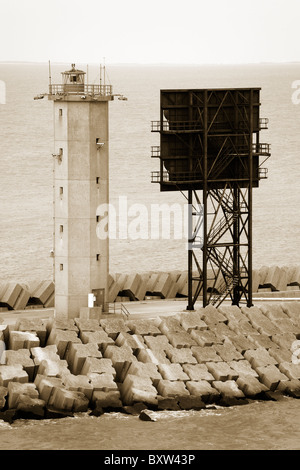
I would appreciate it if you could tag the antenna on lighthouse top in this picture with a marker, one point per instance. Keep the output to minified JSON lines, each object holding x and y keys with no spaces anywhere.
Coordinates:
{"x":49,"y":73}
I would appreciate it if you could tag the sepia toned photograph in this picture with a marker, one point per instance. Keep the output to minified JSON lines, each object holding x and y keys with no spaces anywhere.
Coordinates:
{"x":149,"y":231}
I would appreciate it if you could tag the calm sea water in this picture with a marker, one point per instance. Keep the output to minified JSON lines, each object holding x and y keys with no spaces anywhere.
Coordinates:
{"x":256,"y":426}
{"x":26,"y":147}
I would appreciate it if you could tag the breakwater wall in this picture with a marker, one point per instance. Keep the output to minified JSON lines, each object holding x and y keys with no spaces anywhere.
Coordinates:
{"x":140,"y":286}
{"x":191,"y":360}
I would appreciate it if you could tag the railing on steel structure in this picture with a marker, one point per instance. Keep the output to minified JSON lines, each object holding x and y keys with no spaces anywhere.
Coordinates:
{"x":175,"y":126}
{"x":180,"y":177}
{"x":61,"y":89}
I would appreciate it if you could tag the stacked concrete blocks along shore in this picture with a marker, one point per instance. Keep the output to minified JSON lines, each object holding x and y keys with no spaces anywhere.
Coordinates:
{"x":267,"y":280}
{"x":19,"y":296}
{"x":191,"y":360}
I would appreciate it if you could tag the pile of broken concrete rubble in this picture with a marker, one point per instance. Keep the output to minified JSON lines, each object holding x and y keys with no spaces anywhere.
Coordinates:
{"x":191,"y":360}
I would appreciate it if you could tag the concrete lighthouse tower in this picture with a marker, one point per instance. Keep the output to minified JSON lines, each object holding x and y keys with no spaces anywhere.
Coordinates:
{"x":81,"y":259}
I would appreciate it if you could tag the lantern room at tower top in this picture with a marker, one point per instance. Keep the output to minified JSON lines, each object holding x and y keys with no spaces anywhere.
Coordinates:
{"x":73,"y":87}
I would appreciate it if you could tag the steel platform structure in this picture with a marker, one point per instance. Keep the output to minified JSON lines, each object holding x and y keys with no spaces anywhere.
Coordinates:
{"x":210,"y":150}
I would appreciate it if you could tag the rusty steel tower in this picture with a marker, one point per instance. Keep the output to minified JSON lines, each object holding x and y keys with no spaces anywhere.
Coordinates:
{"x":210,"y":150}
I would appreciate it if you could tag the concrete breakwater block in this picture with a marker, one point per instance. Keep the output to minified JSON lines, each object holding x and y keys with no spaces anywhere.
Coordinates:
{"x":182,"y":284}
{"x":198,"y":372}
{"x":242,"y":327}
{"x":170,"y":325}
{"x":292,"y":371}
{"x":131,"y":286}
{"x":227,"y":352}
{"x":69,"y":400}
{"x":157,"y":343}
{"x":77,"y":354}
{"x":292,"y":309}
{"x":205,"y":354}
{"x":61,"y":324}
{"x":22,"y":340}
{"x":204,"y":390}
{"x":135,"y":342}
{"x":191,"y":402}
{"x":119,"y":355}
{"x":22,"y":357}
{"x":87,"y":324}
{"x":51,"y":368}
{"x":271,"y":376}
{"x":192,"y":321}
{"x":241,"y":343}
{"x":250,"y":386}
{"x":141,"y":369}
{"x":261,"y":341}
{"x":153,"y":356}
{"x":103,"y":382}
{"x":46,"y":386}
{"x":259,"y":358}
{"x":221,"y":371}
{"x":181,"y":355}
{"x":211,"y":315}
{"x":13,"y":295}
{"x":100,"y":338}
{"x":181,"y":340}
{"x":95,"y":365}
{"x":243,"y":368}
{"x":3,"y":395}
{"x":105,"y":400}
{"x":79,"y":383}
{"x":62,"y":339}
{"x":172,"y":388}
{"x":205,"y":338}
{"x":16,"y":390}
{"x":274,"y":278}
{"x":113,"y":326}
{"x":260,"y":322}
{"x":163,"y":285}
{"x":231,"y":312}
{"x":38,"y":326}
{"x":143,"y":327}
{"x":138,"y":389}
{"x":172,"y":372}
{"x":42,"y":293}
{"x":273,"y":311}
{"x":228,"y":389}
{"x":14,"y":373}
{"x":47,"y":352}
{"x":294,"y":276}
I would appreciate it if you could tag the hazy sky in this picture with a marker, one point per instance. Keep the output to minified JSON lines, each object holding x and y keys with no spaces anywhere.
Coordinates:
{"x":152,"y":31}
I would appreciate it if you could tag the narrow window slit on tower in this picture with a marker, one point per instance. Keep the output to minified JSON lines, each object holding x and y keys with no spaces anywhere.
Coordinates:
{"x":97,"y":180}
{"x":60,"y":111}
{"x":61,"y":267}
{"x":61,"y":190}
{"x":97,"y":218}
{"x":61,"y":228}
{"x":98,"y":257}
